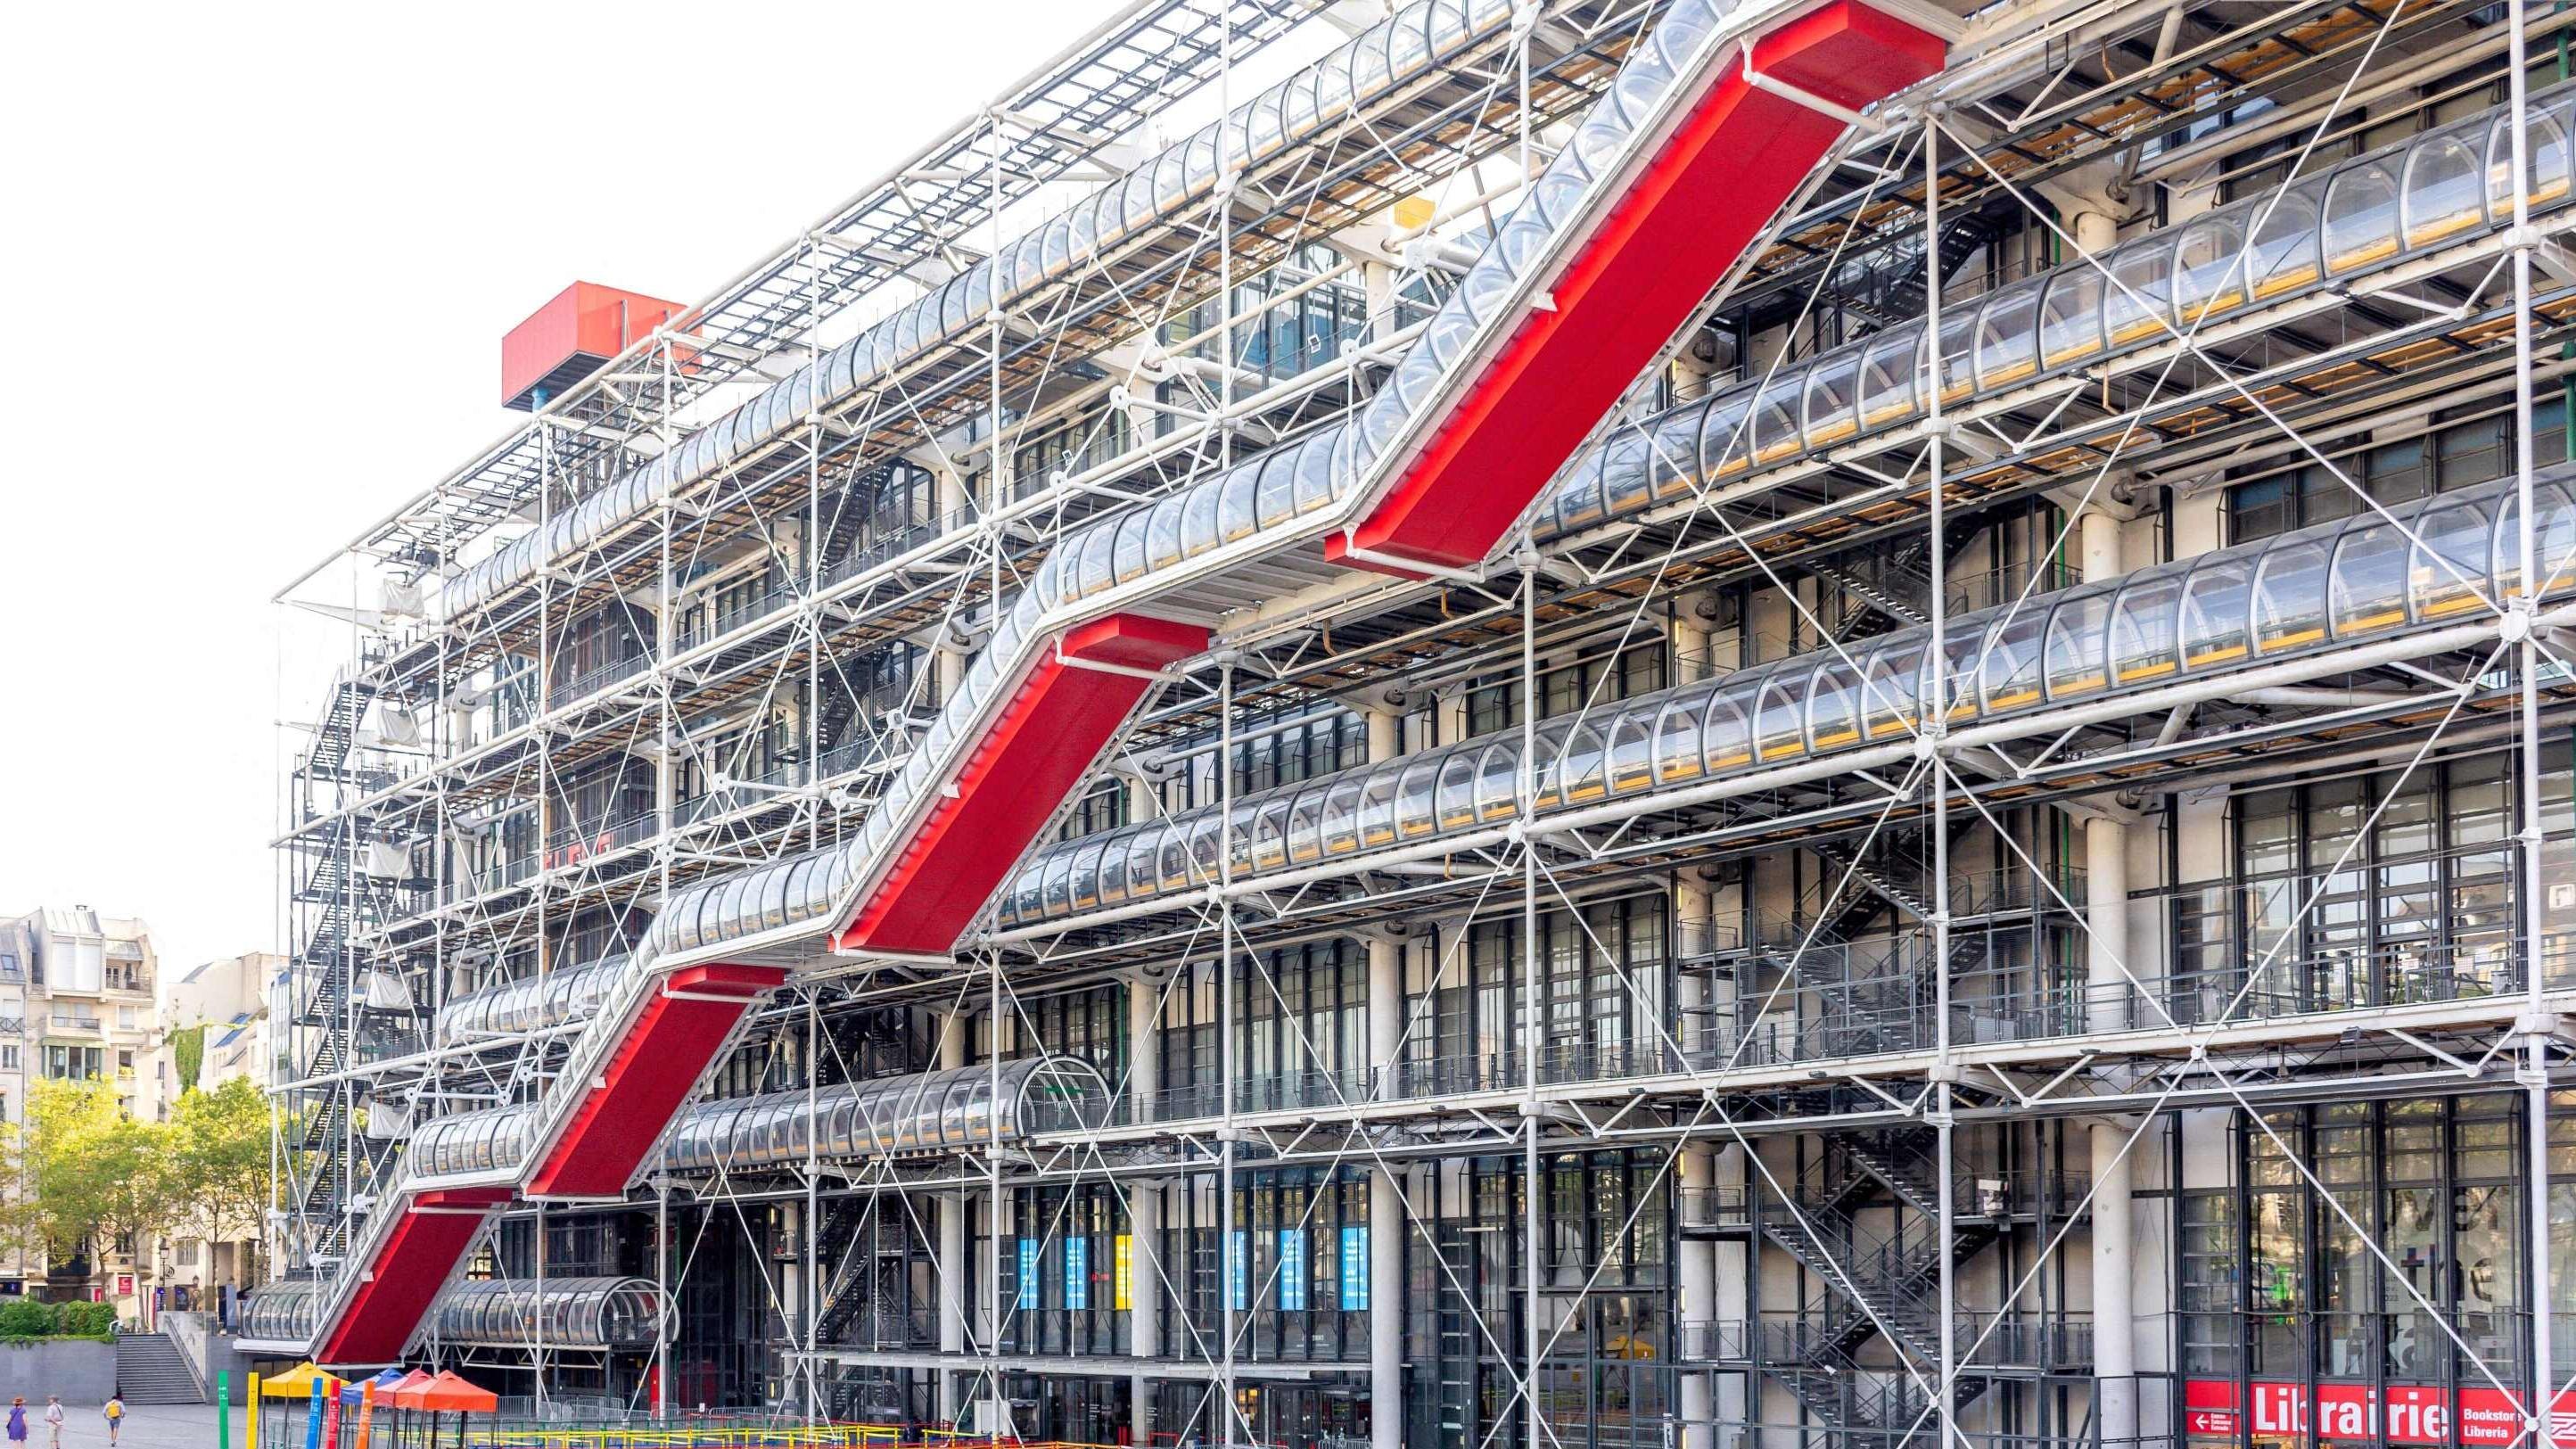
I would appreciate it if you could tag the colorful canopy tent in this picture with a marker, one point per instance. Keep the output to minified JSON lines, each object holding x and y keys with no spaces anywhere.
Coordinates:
{"x":445,"y":1394}
{"x":290,"y":1399}
{"x":354,"y":1393}
{"x":297,"y":1382}
{"x":385,"y":1400}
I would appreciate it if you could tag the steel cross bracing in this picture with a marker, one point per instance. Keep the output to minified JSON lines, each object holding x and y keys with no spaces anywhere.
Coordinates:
{"x":1062,"y":117}
{"x":2198,"y":1054}
{"x":639,"y":715}
{"x":542,"y":762}
{"x":2199,"y":1047}
{"x":1416,"y":133}
{"x":893,"y":598}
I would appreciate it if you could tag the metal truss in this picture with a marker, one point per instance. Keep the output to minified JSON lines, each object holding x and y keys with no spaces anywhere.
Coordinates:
{"x":1111,"y":386}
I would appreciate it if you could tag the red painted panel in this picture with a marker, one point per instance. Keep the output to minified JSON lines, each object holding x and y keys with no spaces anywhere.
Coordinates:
{"x":584,"y":322}
{"x":1736,"y":159}
{"x":1036,"y":751}
{"x":410,"y":1269}
{"x":649,"y":1079}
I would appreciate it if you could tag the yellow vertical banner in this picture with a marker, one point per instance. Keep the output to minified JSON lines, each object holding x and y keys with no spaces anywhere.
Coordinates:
{"x":1123,"y":1270}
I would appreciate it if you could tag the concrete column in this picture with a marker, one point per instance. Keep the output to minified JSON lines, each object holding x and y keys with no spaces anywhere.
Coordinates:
{"x":1387,"y":1229}
{"x":1697,"y":1263}
{"x":950,"y":1267}
{"x":1144,"y":802}
{"x":1381,"y":734}
{"x":2106,"y":839}
{"x":2109,"y":973}
{"x":1144,"y":1301}
{"x":1387,"y":1234}
{"x":1144,"y":1044}
{"x":2096,"y":231}
{"x":1385,"y":1012}
{"x":1451,"y":711}
{"x":2115,"y":1361}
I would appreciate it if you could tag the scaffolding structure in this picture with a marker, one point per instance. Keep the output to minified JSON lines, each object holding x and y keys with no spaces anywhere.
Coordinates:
{"x":1566,"y":722}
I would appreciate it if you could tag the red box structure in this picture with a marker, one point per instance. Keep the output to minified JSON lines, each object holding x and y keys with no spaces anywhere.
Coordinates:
{"x":571,"y":337}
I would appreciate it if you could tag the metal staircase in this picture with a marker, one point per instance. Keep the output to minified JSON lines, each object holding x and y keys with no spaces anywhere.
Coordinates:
{"x":1864,"y":1221}
{"x":1878,"y":1284}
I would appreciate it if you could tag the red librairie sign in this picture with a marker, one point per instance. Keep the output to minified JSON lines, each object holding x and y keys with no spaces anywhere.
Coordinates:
{"x":2411,"y":1413}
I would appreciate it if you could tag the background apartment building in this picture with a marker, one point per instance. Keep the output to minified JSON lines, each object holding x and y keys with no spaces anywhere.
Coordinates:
{"x":225,"y":1001}
{"x":79,"y":1003}
{"x":1566,"y":723}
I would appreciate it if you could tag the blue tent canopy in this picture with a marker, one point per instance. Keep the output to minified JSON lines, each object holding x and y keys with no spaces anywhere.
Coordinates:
{"x":354,"y":1393}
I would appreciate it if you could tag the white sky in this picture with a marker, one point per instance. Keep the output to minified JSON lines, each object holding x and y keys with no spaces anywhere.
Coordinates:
{"x":265,"y":259}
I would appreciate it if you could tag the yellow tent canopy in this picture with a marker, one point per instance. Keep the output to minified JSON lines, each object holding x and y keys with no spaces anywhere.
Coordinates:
{"x":297,"y":1383}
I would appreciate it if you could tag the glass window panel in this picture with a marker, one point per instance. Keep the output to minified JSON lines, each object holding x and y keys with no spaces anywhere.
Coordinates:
{"x":1832,"y":707}
{"x":2369,"y":580}
{"x":1725,"y":443}
{"x":1958,"y":353}
{"x":1498,"y":782}
{"x":1726,"y":742}
{"x":2070,"y":317}
{"x":2289,"y":597}
{"x":2007,"y":336}
{"x":1890,"y":678}
{"x":2009,"y":661}
{"x":2139,"y":301}
{"x":2209,"y":269}
{"x":1676,"y":737}
{"x":1457,"y":791}
{"x":1414,"y":804}
{"x":2285,"y":254}
{"x":2213,"y":614}
{"x":2361,"y":217}
{"x":2548,"y":164}
{"x":1775,"y":417}
{"x":2445,"y":195}
{"x":2076,"y":637}
{"x":1832,"y":389}
{"x":1780,"y":723}
{"x":2142,"y":630}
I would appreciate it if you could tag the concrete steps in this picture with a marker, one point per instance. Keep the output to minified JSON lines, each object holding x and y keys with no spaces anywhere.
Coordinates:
{"x":151,"y":1370}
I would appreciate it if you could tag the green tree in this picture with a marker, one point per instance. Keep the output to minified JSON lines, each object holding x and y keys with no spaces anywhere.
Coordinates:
{"x":95,"y":1175}
{"x":219,"y":1160}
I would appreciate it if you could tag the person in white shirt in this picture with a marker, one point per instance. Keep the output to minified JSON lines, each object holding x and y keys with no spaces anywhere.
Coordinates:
{"x":54,"y":1420}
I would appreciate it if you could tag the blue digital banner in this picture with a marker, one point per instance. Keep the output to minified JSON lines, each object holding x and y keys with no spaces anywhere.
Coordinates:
{"x":1077,"y":1272}
{"x":1029,"y":1273}
{"x":1355,"y":1270}
{"x":1238,"y":1274}
{"x":1292,"y":1269}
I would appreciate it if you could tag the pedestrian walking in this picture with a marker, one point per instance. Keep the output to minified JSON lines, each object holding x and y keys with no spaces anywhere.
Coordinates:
{"x":17,"y":1421}
{"x":114,"y":1412}
{"x":54,"y":1421}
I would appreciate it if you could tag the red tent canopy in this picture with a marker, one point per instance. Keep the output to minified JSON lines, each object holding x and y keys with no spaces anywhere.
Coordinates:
{"x":416,"y":1379}
{"x":445,"y":1394}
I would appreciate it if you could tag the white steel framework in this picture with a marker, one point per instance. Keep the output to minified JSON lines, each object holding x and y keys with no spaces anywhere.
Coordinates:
{"x":1989,"y":862}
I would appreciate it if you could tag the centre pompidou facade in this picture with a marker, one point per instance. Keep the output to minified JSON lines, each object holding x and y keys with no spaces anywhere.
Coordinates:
{"x":1642,"y":723}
